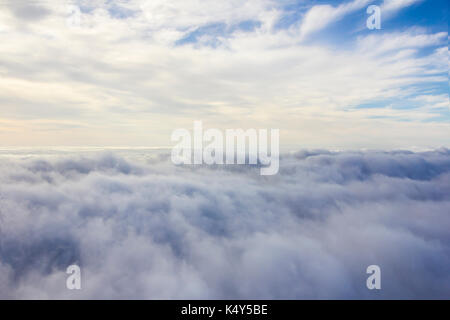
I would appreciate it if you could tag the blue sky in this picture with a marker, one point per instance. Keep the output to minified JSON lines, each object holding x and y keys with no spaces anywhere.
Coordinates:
{"x":128,"y":73}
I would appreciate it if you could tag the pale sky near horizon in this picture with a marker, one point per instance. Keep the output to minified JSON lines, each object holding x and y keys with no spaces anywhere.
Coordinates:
{"x":128,"y":73}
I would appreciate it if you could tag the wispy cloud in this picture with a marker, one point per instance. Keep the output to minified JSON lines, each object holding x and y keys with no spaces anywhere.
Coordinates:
{"x":390,"y":7}
{"x":320,"y":16}
{"x":127,"y":79}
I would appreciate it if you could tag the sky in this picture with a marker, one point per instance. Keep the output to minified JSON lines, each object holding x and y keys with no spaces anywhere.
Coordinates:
{"x":79,"y":77}
{"x":128,"y":73}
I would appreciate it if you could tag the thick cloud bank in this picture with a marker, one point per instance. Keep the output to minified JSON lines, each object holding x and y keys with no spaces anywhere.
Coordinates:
{"x":140,"y":227}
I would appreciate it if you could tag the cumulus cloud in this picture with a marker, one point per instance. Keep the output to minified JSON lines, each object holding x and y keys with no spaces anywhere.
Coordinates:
{"x":140,"y":227}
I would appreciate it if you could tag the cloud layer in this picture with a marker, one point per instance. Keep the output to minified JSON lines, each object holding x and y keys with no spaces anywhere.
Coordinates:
{"x":140,"y":227}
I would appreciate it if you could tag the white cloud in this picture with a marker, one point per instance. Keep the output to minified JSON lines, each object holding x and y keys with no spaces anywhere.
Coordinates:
{"x":416,"y":39}
{"x":193,"y":13}
{"x":125,"y":82}
{"x":320,"y":16}
{"x":390,"y":7}
{"x":148,"y":230}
